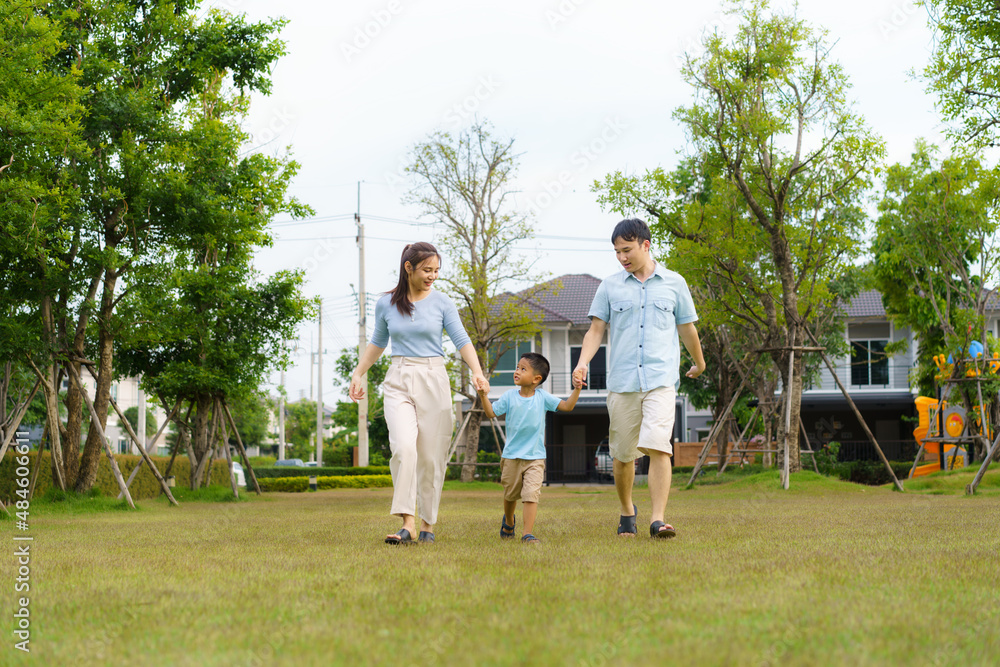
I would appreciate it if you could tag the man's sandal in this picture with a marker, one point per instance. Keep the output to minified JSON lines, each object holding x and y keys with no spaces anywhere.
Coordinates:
{"x":425,"y":537}
{"x":530,"y":539}
{"x":626,"y":524}
{"x":506,"y":531}
{"x":660,"y":529}
{"x":401,"y":537}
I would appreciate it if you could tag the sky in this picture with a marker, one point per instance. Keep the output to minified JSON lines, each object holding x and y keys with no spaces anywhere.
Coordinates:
{"x":584,"y":88}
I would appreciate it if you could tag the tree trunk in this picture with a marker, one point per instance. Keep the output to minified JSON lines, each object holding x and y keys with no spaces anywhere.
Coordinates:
{"x":792,"y":433}
{"x":102,"y":387}
{"x":52,"y":423}
{"x":200,"y":438}
{"x":472,"y":442}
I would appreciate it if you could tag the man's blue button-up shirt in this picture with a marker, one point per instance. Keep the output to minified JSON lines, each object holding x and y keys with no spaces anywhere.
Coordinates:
{"x":643,"y":348}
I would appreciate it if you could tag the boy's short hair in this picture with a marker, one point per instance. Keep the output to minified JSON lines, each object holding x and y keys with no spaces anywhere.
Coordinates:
{"x":538,"y":363}
{"x":631,"y":229}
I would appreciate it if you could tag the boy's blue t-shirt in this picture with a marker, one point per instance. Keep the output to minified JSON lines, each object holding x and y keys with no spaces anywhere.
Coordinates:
{"x":525,"y":422}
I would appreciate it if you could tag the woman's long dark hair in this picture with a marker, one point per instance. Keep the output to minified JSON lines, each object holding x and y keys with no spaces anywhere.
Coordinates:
{"x":414,"y":253}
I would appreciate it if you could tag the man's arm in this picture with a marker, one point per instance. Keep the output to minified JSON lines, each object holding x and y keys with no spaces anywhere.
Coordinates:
{"x":591,"y":344}
{"x":689,"y":336}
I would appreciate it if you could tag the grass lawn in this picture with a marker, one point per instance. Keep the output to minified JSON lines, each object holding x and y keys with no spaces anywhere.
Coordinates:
{"x":827,"y":573}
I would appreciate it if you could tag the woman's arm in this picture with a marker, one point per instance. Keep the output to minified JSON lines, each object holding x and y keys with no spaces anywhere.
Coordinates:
{"x":370,"y":356}
{"x":479,"y":381}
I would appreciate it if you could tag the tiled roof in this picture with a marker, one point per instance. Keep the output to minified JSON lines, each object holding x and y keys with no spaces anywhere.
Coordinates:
{"x":568,"y":297}
{"x":866,"y":304}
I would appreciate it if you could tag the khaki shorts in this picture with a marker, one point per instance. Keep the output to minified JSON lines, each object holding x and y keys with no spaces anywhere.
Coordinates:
{"x":522,"y":479}
{"x":641,"y":421}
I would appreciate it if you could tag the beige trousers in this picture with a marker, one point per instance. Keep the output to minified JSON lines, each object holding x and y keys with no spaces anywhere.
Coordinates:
{"x":418,"y":411}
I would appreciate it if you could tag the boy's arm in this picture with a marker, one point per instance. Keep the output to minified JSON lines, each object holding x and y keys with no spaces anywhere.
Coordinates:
{"x":567,"y":404}
{"x":487,"y":406}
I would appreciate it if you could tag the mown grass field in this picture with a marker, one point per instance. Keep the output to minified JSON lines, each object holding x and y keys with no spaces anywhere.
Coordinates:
{"x":827,"y":573}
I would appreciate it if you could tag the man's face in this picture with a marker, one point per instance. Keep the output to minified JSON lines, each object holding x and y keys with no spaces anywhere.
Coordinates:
{"x":633,"y":255}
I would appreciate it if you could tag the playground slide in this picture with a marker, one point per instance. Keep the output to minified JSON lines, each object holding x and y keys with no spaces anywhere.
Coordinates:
{"x":924,"y":407}
{"x":919,"y":434}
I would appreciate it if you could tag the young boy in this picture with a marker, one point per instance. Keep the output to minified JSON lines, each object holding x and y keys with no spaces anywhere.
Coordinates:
{"x":522,"y":465}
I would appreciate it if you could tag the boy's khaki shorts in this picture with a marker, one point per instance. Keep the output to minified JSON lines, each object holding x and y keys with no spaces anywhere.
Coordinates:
{"x":522,"y":478}
{"x":641,"y":421}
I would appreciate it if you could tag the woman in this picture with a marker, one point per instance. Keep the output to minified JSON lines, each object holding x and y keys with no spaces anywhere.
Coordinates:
{"x":416,"y":392}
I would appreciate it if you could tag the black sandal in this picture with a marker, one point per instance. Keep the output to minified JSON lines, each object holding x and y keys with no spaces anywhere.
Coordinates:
{"x":425,"y":537}
{"x":660,"y":529}
{"x":402,"y":537}
{"x":530,"y":539}
{"x":506,"y":531}
{"x":626,"y":524}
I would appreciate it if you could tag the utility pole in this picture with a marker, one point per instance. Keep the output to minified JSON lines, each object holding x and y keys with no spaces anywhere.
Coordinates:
{"x":362,"y":337}
{"x":281,"y":417}
{"x":319,"y":390}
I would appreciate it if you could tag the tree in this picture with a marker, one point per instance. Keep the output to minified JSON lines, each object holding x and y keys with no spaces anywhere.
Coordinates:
{"x":466,"y":182}
{"x":300,"y":426}
{"x":132,"y":415}
{"x":936,"y":255}
{"x":773,"y":205}
{"x":345,"y":413}
{"x":964,"y":71}
{"x":252,"y":413}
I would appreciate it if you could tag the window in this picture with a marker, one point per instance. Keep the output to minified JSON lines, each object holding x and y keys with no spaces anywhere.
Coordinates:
{"x":503,"y":374}
{"x":598,"y":377}
{"x":123,"y":446}
{"x":869,"y":363}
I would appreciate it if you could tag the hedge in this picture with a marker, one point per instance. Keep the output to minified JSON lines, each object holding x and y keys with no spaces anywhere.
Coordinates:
{"x":325,"y":471}
{"x":297,"y":484}
{"x":144,"y":485}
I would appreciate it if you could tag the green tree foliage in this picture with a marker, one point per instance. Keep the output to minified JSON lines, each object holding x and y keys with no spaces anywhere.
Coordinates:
{"x":964,"y":71}
{"x":132,"y":415}
{"x":252,"y":413}
{"x":300,"y":426}
{"x":767,"y":217}
{"x":345,"y":413}
{"x":466,"y":182}
{"x":936,"y":254}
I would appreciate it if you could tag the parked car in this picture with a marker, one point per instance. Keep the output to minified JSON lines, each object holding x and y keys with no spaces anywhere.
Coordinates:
{"x":241,"y":479}
{"x":295,"y":463}
{"x":604,"y":466}
{"x":312,"y":464}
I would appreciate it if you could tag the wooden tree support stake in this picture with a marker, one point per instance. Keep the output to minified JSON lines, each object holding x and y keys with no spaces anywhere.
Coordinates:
{"x":145,"y":457}
{"x":857,"y":413}
{"x":149,"y":446}
{"x":18,"y":418}
{"x":224,"y":435}
{"x":104,"y":438}
{"x":970,"y":489}
{"x":241,"y":448}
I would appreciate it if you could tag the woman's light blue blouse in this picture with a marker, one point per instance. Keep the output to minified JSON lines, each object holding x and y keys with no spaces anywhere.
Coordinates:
{"x":418,"y":335}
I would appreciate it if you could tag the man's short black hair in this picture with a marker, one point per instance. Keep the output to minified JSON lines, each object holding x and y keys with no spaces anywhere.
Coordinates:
{"x":631,"y":229}
{"x":538,"y":363}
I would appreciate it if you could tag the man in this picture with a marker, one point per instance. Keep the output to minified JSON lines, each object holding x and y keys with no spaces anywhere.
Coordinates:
{"x":647,"y":308}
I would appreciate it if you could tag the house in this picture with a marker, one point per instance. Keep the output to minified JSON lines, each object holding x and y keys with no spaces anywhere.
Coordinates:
{"x":878,"y":384}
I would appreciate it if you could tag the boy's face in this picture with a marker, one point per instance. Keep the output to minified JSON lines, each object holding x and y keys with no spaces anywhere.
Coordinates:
{"x":525,"y":375}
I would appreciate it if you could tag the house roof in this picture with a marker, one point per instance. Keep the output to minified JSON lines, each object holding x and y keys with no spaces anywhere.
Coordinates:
{"x":866,"y":304}
{"x":567,"y":298}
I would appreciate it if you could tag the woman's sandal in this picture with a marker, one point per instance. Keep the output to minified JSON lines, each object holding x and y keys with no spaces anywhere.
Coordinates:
{"x":660,"y":529}
{"x":626,"y":524}
{"x":530,"y":539}
{"x":401,"y":537}
{"x":425,"y":537}
{"x":505,"y":530}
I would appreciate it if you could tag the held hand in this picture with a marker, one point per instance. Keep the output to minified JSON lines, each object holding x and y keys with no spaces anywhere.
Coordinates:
{"x":580,"y":375}
{"x":357,"y":389}
{"x":695,"y":371}
{"x":577,"y":382}
{"x":481,"y":384}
